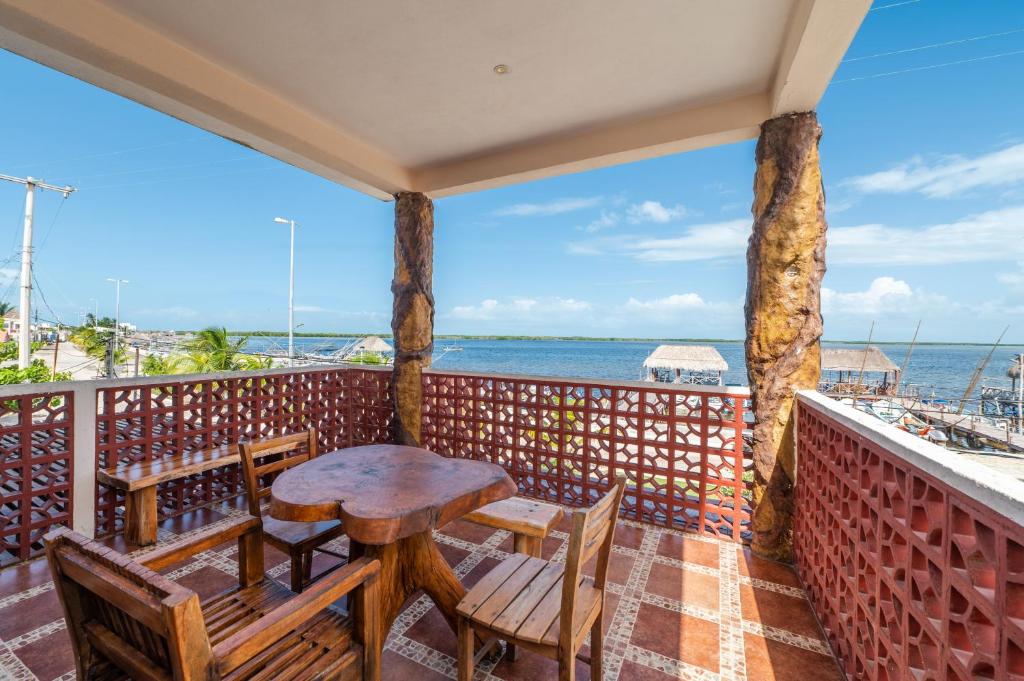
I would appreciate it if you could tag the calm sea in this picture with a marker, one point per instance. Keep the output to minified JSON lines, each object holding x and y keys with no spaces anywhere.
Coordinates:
{"x":940,"y":370}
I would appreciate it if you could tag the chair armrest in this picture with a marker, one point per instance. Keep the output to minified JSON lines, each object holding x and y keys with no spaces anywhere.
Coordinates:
{"x":278,"y":623}
{"x":207,"y":539}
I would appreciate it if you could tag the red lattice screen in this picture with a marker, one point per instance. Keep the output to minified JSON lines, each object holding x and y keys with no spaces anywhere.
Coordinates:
{"x":140,"y":423}
{"x":36,"y":432}
{"x":563,"y":441}
{"x":910,"y":577}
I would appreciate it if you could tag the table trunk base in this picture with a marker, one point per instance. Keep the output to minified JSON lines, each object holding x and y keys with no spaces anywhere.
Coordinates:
{"x":407,"y":565}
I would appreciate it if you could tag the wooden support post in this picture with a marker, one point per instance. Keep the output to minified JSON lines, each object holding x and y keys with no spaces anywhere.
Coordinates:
{"x":785,"y":265}
{"x":412,"y":320}
{"x":140,"y":516}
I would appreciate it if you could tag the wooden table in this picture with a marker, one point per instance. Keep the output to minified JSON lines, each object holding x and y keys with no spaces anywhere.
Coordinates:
{"x":389,"y":499}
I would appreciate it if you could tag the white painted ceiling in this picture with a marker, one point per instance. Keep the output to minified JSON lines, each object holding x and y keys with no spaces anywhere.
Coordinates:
{"x":400,"y":95}
{"x":415,"y":78}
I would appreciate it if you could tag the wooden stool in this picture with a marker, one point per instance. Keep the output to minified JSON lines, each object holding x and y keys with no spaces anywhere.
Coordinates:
{"x":529,"y":521}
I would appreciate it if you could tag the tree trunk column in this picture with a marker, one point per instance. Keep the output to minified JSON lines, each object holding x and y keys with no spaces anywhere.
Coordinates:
{"x":785,"y":265}
{"x":412,"y":319}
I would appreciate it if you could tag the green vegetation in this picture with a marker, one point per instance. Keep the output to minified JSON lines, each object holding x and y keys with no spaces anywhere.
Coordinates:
{"x":94,"y":343}
{"x":210,"y":351}
{"x":37,"y":372}
{"x":370,"y":358}
{"x":9,"y":350}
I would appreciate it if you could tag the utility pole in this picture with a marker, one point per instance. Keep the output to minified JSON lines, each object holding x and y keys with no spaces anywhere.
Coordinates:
{"x":25,"y":323}
{"x":291,"y":292}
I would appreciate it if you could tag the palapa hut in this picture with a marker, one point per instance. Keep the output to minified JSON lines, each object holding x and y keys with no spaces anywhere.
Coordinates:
{"x":692,"y":364}
{"x":369,"y":350}
{"x":372,"y":344}
{"x":866,"y":371}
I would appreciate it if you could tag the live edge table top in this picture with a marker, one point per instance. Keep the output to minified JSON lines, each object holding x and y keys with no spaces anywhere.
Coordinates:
{"x":383,"y":493}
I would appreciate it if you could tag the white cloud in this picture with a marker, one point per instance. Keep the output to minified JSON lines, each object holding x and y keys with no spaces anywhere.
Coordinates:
{"x":653,"y":211}
{"x":522,"y":309}
{"x":8,"y":274}
{"x":996,"y":235}
{"x":669,"y":313}
{"x":310,"y":308}
{"x":884,"y":296}
{"x":1013,"y":279}
{"x":948,"y":177}
{"x":993,"y":236}
{"x":700,"y":242}
{"x":672,"y":303}
{"x":556,"y":207}
{"x":604,"y":222}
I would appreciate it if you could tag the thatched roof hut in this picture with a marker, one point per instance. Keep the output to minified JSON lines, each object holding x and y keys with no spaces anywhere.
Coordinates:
{"x":869,"y":359}
{"x":686,"y":358}
{"x":372,"y":344}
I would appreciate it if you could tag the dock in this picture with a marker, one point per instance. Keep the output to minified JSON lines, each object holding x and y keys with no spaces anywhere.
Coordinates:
{"x":997,"y":438}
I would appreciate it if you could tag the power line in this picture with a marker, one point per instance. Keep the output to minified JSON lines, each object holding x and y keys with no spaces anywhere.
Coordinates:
{"x":42,"y":297}
{"x":53,"y":222}
{"x":110,"y":153}
{"x":929,"y":67}
{"x":894,"y":4}
{"x":179,"y":166}
{"x":180,"y":179}
{"x":934,"y":45}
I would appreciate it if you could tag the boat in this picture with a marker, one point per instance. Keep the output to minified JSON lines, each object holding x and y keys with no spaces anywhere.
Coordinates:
{"x":900,"y":417}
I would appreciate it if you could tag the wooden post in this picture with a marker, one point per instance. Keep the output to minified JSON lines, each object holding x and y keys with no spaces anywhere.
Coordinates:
{"x":785,"y":265}
{"x":412,"y":320}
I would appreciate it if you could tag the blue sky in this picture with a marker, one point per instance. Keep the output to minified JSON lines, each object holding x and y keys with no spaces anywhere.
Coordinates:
{"x":924,"y":174}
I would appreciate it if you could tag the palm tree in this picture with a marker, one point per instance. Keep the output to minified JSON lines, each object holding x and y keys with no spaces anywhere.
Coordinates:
{"x":5,"y":307}
{"x":213,"y":350}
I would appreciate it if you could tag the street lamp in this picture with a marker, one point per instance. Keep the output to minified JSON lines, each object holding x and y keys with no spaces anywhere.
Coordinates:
{"x":291,"y":291}
{"x":117,"y":305}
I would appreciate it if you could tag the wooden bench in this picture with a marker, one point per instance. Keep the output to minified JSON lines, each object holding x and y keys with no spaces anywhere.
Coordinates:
{"x":529,"y":521}
{"x":139,"y":481}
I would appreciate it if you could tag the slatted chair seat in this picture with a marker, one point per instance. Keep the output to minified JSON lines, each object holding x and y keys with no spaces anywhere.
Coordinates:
{"x":126,"y":621}
{"x":288,"y":532}
{"x":522,"y":599}
{"x":543,"y":606}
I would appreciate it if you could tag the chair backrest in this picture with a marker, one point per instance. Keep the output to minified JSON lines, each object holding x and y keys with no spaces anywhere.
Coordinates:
{"x":282,"y":452}
{"x":122,"y":614}
{"x":592,"y":533}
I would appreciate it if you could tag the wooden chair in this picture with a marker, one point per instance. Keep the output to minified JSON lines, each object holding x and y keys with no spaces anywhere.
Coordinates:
{"x":298,"y":540}
{"x":542,"y":606}
{"x":128,"y":622}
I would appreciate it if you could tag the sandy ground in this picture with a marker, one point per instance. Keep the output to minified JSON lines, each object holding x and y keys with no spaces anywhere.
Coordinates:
{"x":72,"y":359}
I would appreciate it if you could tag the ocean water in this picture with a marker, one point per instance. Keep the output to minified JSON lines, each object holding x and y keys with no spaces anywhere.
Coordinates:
{"x":941,"y":371}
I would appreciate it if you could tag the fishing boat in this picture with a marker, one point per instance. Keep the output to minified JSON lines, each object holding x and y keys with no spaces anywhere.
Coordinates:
{"x":897,"y":415}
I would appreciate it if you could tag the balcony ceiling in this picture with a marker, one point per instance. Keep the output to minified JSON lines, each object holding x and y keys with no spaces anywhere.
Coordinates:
{"x":398,"y":95}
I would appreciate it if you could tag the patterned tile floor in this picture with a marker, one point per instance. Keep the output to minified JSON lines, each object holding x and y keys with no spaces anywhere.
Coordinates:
{"x":680,"y":606}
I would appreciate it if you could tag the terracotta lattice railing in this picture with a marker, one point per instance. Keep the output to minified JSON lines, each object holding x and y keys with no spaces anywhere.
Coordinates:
{"x":681,"y":447}
{"x":561,"y":440}
{"x":171,"y":416}
{"x":912,"y":556}
{"x":36,"y":468}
